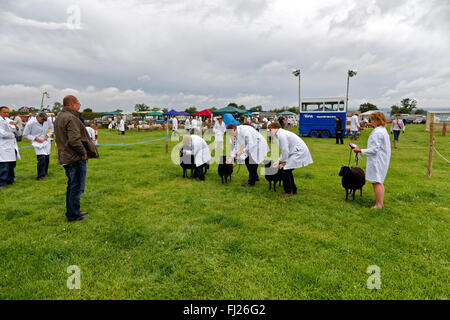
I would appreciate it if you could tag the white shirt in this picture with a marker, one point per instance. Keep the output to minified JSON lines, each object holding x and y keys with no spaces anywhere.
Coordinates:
{"x":200,"y":151}
{"x":8,"y":143}
{"x":91,"y":133}
{"x":121,"y":126}
{"x":35,"y":130}
{"x":219,"y":131}
{"x":293,"y":150}
{"x":255,"y":145}
{"x":378,"y":154}
{"x":174,"y":124}
{"x":187,"y":124}
{"x":194,"y":124}
{"x":354,"y":123}
{"x":397,"y":126}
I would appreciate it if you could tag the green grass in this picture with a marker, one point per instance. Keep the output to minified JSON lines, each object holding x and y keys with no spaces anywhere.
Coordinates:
{"x":155,"y":235}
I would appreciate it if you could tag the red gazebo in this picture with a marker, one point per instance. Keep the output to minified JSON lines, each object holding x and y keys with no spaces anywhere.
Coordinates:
{"x":206,"y":113}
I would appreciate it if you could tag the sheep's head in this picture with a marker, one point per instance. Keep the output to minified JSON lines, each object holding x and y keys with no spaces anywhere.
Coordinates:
{"x":344,"y":171}
{"x":267,"y":163}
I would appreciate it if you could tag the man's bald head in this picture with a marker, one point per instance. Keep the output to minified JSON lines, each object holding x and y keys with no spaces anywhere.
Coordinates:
{"x":71,"y":102}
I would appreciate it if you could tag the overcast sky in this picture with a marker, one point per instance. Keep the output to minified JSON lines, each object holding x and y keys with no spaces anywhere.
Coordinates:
{"x":207,"y":53}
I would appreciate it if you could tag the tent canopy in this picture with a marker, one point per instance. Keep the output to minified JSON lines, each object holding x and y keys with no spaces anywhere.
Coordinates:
{"x":154,"y":114}
{"x":231,"y":110}
{"x":287,"y":113}
{"x":205,"y":112}
{"x":228,"y":118}
{"x":115,"y":114}
{"x":176,"y":113}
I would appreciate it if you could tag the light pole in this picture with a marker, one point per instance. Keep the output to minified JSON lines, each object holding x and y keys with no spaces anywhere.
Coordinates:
{"x":350,"y":74}
{"x":42,"y":101}
{"x":297,"y":73}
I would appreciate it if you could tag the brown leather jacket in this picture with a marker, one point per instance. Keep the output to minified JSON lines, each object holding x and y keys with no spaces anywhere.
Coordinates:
{"x":72,"y":139}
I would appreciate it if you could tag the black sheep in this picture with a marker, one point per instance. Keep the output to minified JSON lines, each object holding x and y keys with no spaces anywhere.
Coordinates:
{"x":352,"y":179}
{"x":225,"y":170}
{"x":187,"y":162}
{"x":273,"y":175}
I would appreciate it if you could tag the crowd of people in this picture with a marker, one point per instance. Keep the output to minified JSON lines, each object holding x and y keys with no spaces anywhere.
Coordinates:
{"x":76,"y":143}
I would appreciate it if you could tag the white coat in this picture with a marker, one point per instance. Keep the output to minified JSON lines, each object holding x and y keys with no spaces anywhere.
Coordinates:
{"x":9,"y":151}
{"x":293,"y":150}
{"x":194,"y":124}
{"x":255,"y":145}
{"x":174,"y":124}
{"x":378,"y":154}
{"x":91,"y":133}
{"x":35,"y":130}
{"x":219,"y":131}
{"x":121,"y":126}
{"x":354,"y":123}
{"x":200,"y":151}
{"x":187,"y":124}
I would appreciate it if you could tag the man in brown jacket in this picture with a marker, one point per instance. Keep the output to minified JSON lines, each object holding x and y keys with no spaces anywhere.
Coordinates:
{"x":74,"y":149}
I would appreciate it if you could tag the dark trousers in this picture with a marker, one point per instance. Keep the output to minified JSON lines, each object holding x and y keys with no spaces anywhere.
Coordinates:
{"x":76,"y":179}
{"x":339,"y":138}
{"x":288,"y":182}
{"x":252,"y":168}
{"x":42,"y":165}
{"x":198,"y":173}
{"x":7,"y":172}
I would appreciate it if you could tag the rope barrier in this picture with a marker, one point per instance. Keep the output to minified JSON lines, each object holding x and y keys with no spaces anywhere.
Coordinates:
{"x":441,"y":155}
{"x":122,"y":136}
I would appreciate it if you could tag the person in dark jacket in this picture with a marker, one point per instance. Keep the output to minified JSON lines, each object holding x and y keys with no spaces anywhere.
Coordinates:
{"x":339,"y":130}
{"x":74,"y":149}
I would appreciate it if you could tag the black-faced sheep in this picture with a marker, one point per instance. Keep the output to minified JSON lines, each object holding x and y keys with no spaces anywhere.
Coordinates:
{"x":225,"y":170}
{"x":187,"y":162}
{"x":352,"y":179}
{"x":273,"y":175}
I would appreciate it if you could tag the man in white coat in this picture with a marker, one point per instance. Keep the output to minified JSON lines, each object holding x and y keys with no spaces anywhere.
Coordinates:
{"x":219,"y":131}
{"x":194,"y":126}
{"x":251,"y":146}
{"x":175,"y":126}
{"x":187,"y":125}
{"x":196,"y":146}
{"x":294,"y":154}
{"x":39,"y":132}
{"x":9,"y":151}
{"x":354,"y":126}
{"x":120,"y":125}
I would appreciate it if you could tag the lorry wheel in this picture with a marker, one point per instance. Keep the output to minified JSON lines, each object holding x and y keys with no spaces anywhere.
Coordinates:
{"x":314,"y":134}
{"x":325,"y":134}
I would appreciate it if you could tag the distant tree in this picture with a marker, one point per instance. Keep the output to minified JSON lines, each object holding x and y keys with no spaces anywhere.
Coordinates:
{"x":367,"y":107}
{"x":57,"y":107}
{"x":232,"y":104}
{"x":242,"y":107}
{"x":165,"y":110}
{"x":395,"y":109}
{"x":420,"y":111}
{"x":257,"y":108}
{"x":212,"y":109}
{"x":118,"y":110}
{"x":191,"y":110}
{"x":409,"y":104}
{"x":155,"y":109}
{"x":87,"y":110}
{"x":141,"y":107}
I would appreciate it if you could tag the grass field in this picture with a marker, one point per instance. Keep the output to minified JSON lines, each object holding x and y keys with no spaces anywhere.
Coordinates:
{"x":154,"y":235}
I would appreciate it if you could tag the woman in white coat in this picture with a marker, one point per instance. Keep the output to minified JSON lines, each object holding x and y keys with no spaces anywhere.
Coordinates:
{"x":250,"y":145}
{"x":294,"y":154}
{"x":39,"y":132}
{"x":378,"y":154}
{"x":196,"y":146}
{"x":219,"y":131}
{"x":9,"y":151}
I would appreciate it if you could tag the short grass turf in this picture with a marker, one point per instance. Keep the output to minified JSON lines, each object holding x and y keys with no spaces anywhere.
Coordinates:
{"x":154,"y":235}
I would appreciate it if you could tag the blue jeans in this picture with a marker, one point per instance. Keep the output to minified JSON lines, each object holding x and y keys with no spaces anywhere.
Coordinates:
{"x":396,"y":134}
{"x":76,"y":181}
{"x":42,"y":165}
{"x":7,"y":172}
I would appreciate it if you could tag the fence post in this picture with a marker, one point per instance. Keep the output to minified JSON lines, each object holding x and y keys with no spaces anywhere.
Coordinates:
{"x":444,"y":129}
{"x":167,"y":135}
{"x":430,"y":153}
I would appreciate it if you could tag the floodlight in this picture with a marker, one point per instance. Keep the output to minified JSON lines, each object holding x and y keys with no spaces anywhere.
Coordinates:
{"x":296,"y":72}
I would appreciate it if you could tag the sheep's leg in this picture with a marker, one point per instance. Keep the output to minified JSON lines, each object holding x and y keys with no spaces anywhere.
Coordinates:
{"x":354,"y":191}
{"x":280,"y":183}
{"x":346,"y":194}
{"x":230,"y":178}
{"x":270,"y":185}
{"x":361,"y":191}
{"x":275,"y":186}
{"x":222,"y":179}
{"x":184,"y":173}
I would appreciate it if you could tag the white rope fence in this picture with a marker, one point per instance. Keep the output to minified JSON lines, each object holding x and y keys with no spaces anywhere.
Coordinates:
{"x":441,"y":155}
